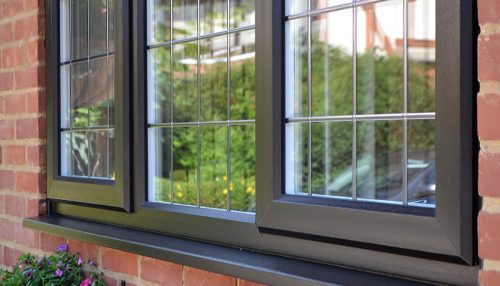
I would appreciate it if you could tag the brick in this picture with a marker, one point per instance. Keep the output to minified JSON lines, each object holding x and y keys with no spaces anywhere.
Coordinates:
{"x":2,"y":204}
{"x":15,"y":155}
{"x":35,"y":51}
{"x":86,"y":250}
{"x":488,"y":11}
{"x":7,"y":129}
{"x":29,"y":182}
{"x":6,"y":81}
{"x":12,"y":57}
{"x":198,"y":277}
{"x":488,"y":106}
{"x":488,"y":180}
{"x":15,"y":104}
{"x":30,"y":128}
{"x":35,"y":207}
{"x":6,"y":32}
{"x":26,"y":236}
{"x":488,"y":56}
{"x":49,"y":242}
{"x":36,"y":155}
{"x":34,"y":4}
{"x":6,"y":229}
{"x":110,"y":281}
{"x":2,"y":100}
{"x":36,"y":102}
{"x":30,"y":77}
{"x":161,"y":272}
{"x":119,"y":261}
{"x":489,"y":236}
{"x":15,"y":206}
{"x":489,"y":278}
{"x":29,"y":26}
{"x":11,"y":8}
{"x":242,"y":282}
{"x":6,"y":180}
{"x":1,"y":255}
{"x":10,"y":255}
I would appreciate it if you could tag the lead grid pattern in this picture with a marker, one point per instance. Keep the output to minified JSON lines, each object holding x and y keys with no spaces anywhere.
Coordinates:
{"x":354,"y":118}
{"x":198,"y":124}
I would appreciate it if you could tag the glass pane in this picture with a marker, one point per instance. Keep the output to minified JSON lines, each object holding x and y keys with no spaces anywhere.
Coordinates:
{"x":65,"y":97}
{"x":64,"y":30}
{"x":185,"y":22}
{"x":213,"y":69}
{"x":379,"y":153}
{"x":242,"y":13}
{"x":332,"y":45}
{"x":98,"y":30}
{"x":296,"y":156}
{"x":213,"y":16}
{"x":331,"y":158}
{"x":98,"y":153}
{"x":213,"y":167}
{"x":158,"y":21}
{"x":111,"y":153}
{"x":66,"y":153}
{"x":421,"y":161}
{"x":319,"y":4}
{"x":79,"y":95}
{"x":111,"y":25}
{"x":296,"y":67}
{"x":79,"y":152}
{"x":295,"y":6}
{"x":185,"y":82}
{"x":242,"y":184}
{"x":422,"y":56}
{"x":160,"y":164}
{"x":380,"y":58}
{"x":159,"y":85}
{"x":79,"y":29}
{"x":185,"y":165}
{"x":243,"y":75}
{"x":111,"y":90}
{"x":98,"y":91}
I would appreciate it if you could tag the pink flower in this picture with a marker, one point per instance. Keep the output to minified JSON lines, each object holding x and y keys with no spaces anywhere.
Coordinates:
{"x":59,"y":273}
{"x":86,"y":282}
{"x":79,"y":262}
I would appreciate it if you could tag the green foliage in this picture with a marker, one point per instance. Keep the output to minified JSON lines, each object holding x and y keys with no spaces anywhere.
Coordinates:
{"x":62,"y":269}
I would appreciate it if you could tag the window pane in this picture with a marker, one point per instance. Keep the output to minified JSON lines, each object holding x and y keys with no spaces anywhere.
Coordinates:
{"x":159,"y":21}
{"x":213,"y":167}
{"x":243,"y":75}
{"x":159,"y":85}
{"x":296,"y":158}
{"x":98,"y":153}
{"x":79,"y":29}
{"x":331,"y":158}
{"x":65,"y":30}
{"x":331,"y":61}
{"x":185,"y":22}
{"x":65,"y":96}
{"x":185,"y":82}
{"x":295,"y":6}
{"x":213,"y":75}
{"x":379,"y":167}
{"x":185,"y":165}
{"x":213,"y":16}
{"x":242,"y":13}
{"x":79,"y":95}
{"x":98,"y":92}
{"x":380,"y":60}
{"x":421,"y":162}
{"x":160,"y":164}
{"x":296,"y":68}
{"x":319,"y":4}
{"x":111,"y":90}
{"x":242,"y":183}
{"x":98,"y":30}
{"x":422,"y":56}
{"x":111,"y":25}
{"x":78,"y":151}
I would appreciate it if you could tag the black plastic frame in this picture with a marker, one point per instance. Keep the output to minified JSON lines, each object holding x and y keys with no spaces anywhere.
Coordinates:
{"x":106,"y":193}
{"x":450,"y":232}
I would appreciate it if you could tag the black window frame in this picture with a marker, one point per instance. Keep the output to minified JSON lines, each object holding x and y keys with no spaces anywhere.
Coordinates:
{"x":283,"y":224}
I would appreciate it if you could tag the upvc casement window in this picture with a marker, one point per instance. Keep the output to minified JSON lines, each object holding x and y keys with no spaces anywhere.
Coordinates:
{"x":333,"y":131}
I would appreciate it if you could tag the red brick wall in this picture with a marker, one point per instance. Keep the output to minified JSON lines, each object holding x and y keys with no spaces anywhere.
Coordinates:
{"x":23,"y":157}
{"x":489,"y":134}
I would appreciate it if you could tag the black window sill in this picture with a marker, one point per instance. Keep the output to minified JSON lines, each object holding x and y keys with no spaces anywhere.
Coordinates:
{"x":261,"y":267}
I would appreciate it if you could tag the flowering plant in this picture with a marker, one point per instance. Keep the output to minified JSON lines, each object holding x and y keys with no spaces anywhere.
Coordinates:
{"x":62,"y":268}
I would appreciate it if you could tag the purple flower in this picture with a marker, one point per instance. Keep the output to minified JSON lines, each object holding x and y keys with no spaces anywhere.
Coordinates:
{"x":59,"y":273}
{"x":63,"y":247}
{"x":90,"y":263}
{"x":79,"y":262}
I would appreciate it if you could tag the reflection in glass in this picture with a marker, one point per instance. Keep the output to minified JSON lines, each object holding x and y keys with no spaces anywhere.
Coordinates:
{"x":243,"y":75}
{"x":242,"y":13}
{"x":331,"y":157}
{"x":98,"y":153}
{"x":295,"y":6}
{"x":296,"y":58}
{"x":65,"y":97}
{"x":213,"y":16}
{"x":213,"y":76}
{"x":296,"y":158}
{"x":111,"y":154}
{"x":98,"y":32}
{"x":185,"y":158}
{"x":111,"y":25}
{"x":185,"y":82}
{"x":160,"y":164}
{"x":158,"y":21}
{"x":185,"y":18}
{"x":332,"y":63}
{"x":66,"y":153}
{"x":421,"y":161}
{"x":242,"y":183}
{"x":98,"y":91}
{"x":422,"y":56}
{"x":79,"y":94}
{"x":79,"y":154}
{"x":79,"y":29}
{"x":379,"y":165}
{"x":380,"y":58}
{"x":319,"y":4}
{"x":159,"y":85}
{"x":64,"y":30}
{"x":213,"y":167}
{"x":111,"y":90}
